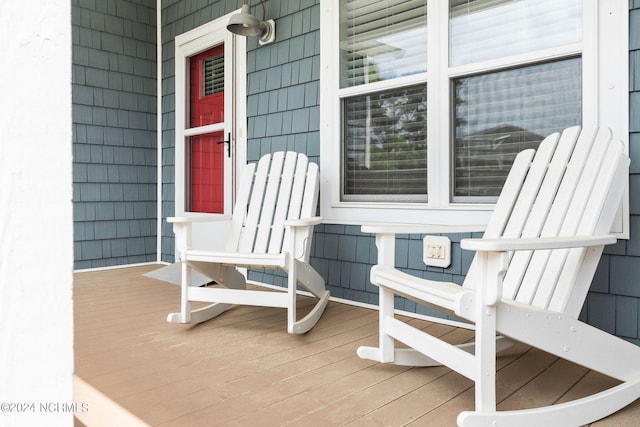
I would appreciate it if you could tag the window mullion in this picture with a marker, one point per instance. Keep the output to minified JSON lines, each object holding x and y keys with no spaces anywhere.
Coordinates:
{"x":589,"y":63}
{"x":438,"y":105}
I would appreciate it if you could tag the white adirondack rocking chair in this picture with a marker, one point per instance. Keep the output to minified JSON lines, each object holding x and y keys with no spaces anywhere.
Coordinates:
{"x":528,"y":281}
{"x":271,"y":227}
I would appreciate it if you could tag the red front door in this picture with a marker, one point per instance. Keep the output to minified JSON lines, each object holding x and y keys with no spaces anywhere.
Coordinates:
{"x":206,"y":152}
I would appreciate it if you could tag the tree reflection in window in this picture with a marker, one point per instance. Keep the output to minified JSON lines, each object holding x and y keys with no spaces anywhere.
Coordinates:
{"x":386,"y":143}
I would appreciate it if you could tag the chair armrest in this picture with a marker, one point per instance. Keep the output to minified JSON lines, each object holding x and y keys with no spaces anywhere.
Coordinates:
{"x":421,"y":228}
{"x":534,"y":243}
{"x":300,"y":231}
{"x":198,"y":218}
{"x":385,"y":235}
{"x":182,"y":227}
{"x":303,"y":222}
{"x":493,"y":259}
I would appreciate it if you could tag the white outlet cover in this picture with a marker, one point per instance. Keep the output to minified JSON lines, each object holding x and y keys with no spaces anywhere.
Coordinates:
{"x":442,"y":241}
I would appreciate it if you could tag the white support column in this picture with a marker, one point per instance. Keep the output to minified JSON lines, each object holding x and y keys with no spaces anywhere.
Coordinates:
{"x":36,"y":214}
{"x":159,"y":129}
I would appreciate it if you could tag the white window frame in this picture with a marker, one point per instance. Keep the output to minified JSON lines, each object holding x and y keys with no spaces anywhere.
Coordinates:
{"x":605,"y":100}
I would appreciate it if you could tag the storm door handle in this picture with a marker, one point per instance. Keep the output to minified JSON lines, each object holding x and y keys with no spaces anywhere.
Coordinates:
{"x":228,"y":142}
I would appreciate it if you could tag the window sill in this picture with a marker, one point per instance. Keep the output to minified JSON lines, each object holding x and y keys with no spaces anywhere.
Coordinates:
{"x":354,"y":213}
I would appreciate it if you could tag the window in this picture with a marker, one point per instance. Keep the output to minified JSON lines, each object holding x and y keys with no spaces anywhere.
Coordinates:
{"x":384,"y":132}
{"x":385,"y":145}
{"x":496,"y":115}
{"x":426,"y":103}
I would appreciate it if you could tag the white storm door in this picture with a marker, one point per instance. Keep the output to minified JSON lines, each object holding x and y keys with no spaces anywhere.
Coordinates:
{"x":210,"y":121}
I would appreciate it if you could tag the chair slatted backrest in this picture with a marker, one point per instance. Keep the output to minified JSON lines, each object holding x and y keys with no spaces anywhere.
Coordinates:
{"x":281,"y":186}
{"x":572,"y":186}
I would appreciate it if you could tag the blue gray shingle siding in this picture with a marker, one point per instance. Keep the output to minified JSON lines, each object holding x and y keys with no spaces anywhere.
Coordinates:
{"x":114,"y":148}
{"x":114,"y":132}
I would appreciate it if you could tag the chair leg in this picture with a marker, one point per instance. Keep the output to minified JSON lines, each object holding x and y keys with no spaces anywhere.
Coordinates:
{"x":292,"y":285}
{"x":485,"y":360}
{"x":303,"y":274}
{"x":309,"y":279}
{"x":490,"y":265}
{"x":184,"y":316}
{"x":306,"y":323}
{"x":230,"y":278}
{"x":386,"y":352}
{"x":387,"y":343}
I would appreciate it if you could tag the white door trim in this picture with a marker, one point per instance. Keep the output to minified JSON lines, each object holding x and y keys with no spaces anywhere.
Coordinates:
{"x":186,"y":45}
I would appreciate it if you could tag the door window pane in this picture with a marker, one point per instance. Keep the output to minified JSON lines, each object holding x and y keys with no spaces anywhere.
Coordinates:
{"x":488,"y":29}
{"x":213,"y":75}
{"x":205,"y":182}
{"x":499,"y":114}
{"x":385,"y":148}
{"x":206,"y":93}
{"x":381,"y":40}
{"x":204,"y":154}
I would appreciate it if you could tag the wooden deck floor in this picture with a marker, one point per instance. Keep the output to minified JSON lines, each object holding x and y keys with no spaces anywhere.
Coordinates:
{"x":243,"y":369}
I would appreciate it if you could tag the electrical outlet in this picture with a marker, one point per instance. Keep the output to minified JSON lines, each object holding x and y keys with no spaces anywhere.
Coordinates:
{"x":437,"y":251}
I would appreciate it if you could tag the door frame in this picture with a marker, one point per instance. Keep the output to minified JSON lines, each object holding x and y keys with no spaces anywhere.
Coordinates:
{"x":188,"y":44}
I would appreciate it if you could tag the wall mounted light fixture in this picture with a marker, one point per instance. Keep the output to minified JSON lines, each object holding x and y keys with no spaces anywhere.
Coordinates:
{"x":245,"y":24}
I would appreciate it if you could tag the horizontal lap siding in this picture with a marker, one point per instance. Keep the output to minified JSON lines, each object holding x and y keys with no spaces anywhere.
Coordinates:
{"x":114,"y":132}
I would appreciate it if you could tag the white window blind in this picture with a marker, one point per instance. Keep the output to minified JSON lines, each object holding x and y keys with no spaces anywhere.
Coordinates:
{"x":386,"y":145}
{"x":501,"y":113}
{"x":488,"y":29}
{"x":213,"y":75}
{"x":382,"y":40}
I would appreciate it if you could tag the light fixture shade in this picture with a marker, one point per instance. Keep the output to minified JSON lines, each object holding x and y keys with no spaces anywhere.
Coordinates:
{"x":244,"y":23}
